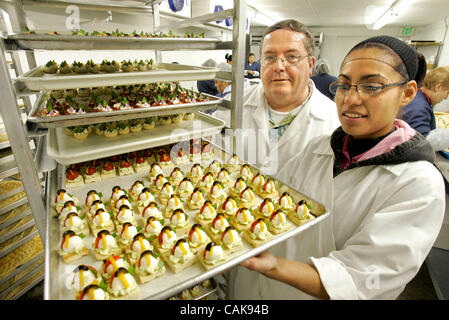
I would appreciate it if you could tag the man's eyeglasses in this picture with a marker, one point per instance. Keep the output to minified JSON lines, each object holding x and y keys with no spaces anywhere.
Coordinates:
{"x":370,"y":89}
{"x":289,"y":60}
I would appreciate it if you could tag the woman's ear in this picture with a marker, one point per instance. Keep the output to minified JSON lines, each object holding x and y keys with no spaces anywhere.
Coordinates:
{"x":409,"y":93}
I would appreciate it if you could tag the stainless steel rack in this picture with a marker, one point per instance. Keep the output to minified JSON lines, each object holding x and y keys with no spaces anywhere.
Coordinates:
{"x":35,"y":165}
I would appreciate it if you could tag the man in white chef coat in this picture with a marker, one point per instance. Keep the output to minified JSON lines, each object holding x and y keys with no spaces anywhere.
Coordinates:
{"x":285,"y":111}
{"x":280,"y":116}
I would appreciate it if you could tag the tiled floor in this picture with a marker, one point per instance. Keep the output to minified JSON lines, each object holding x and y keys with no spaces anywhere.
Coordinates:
{"x":420,"y":288}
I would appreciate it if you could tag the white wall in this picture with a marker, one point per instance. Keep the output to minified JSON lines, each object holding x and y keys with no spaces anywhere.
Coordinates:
{"x":435,"y":31}
{"x":338,"y":41}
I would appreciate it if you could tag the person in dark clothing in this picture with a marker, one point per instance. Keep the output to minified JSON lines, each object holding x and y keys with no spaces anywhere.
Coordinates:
{"x":208,"y":86}
{"x":419,"y":113}
{"x":322,"y":78}
{"x":252,"y":67}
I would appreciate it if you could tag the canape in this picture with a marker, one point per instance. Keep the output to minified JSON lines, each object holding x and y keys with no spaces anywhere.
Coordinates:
{"x":137,"y":246}
{"x":196,"y":199}
{"x":180,"y":257}
{"x":93,"y":292}
{"x":217,"y":226}
{"x":185,"y":188}
{"x":196,"y":173}
{"x":110,"y":265}
{"x":230,"y":240}
{"x":268,"y":189}
{"x":238,"y":187}
{"x":197,"y":238}
{"x":165,"y":240}
{"x":278,"y":222}
{"x":125,"y":168}
{"x":285,"y":202}
{"x":149,"y":267}
{"x":258,"y":233}
{"x":84,"y":275}
{"x":211,"y":255}
{"x":123,"y":286}
{"x":126,"y":235}
{"x":233,"y":164}
{"x":141,"y":164}
{"x":72,"y":247}
{"x":136,"y":189}
{"x":206,"y":214}
{"x":73,"y":178}
{"x":214,"y":167}
{"x":173,"y":203}
{"x":105,"y":245}
{"x":301,"y":214}
{"x":76,"y":224}
{"x":242,"y":219}
{"x":247,"y":198}
{"x":176,"y":176}
{"x":153,"y":227}
{"x":224,"y":177}
{"x":265,"y":209}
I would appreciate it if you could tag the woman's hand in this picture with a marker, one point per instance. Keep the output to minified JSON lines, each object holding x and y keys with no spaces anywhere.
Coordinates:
{"x":262,"y":263}
{"x":297,"y":274}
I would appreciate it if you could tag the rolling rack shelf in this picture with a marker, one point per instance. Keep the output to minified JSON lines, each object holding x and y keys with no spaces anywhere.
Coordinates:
{"x":27,"y":161}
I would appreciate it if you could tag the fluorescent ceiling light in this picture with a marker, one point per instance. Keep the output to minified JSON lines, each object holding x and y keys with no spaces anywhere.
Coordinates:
{"x":260,"y":15}
{"x":398,"y":7}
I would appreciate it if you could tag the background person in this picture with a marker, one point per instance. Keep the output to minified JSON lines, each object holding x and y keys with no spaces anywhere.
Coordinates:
{"x":207,"y":86}
{"x":228,"y":58}
{"x":419,"y":113}
{"x":252,"y":67}
{"x":375,"y":175}
{"x":436,"y":89}
{"x":224,"y":87}
{"x":322,"y":78}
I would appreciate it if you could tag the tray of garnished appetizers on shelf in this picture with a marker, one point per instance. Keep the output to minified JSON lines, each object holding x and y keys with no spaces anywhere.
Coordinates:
{"x":37,"y":80}
{"x":68,"y":110}
{"x":172,"y":283}
{"x":75,"y":42}
{"x":203,"y":291}
{"x":66,"y":149}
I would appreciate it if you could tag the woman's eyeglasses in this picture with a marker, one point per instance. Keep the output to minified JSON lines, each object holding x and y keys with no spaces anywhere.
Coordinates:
{"x":370,"y":89}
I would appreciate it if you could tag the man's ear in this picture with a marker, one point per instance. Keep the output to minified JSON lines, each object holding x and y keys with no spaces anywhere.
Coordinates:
{"x":409,"y":93}
{"x":312,"y":61}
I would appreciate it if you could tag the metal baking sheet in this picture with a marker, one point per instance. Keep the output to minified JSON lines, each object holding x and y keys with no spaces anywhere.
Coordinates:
{"x":74,"y":42}
{"x":66,"y":150}
{"x":59,"y":274}
{"x":97,"y":117}
{"x":37,"y":80}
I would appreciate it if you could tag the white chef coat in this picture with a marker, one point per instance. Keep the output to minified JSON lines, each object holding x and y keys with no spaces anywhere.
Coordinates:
{"x":384,"y":220}
{"x":317,"y":117}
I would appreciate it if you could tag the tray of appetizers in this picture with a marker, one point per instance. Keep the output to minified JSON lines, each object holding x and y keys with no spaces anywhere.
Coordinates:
{"x":66,"y":149}
{"x":103,"y":41}
{"x":36,"y":79}
{"x":83,"y":106}
{"x":141,"y":231}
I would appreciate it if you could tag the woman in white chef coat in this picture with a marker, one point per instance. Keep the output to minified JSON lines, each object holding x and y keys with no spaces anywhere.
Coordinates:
{"x":375,"y":176}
